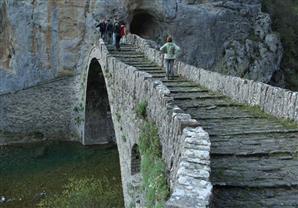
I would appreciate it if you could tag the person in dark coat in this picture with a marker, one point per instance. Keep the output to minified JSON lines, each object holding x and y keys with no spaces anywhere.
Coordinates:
{"x":103,"y":28}
{"x":109,"y":31}
{"x":117,"y":33}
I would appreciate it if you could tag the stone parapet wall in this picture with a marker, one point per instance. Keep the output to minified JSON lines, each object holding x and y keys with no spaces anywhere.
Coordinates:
{"x":273,"y":100}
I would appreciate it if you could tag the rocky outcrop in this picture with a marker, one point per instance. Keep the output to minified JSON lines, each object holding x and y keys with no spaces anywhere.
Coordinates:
{"x":256,"y":57}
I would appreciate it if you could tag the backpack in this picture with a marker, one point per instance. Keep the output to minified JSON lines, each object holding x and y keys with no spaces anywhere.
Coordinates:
{"x":110,"y":27}
{"x":122,"y":31}
{"x":171,"y":49}
{"x":102,"y":26}
{"x":117,"y":28}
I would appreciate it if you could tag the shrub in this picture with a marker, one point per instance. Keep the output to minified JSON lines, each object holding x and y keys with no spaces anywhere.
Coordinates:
{"x":142,"y":109}
{"x":153,"y":167}
{"x":85,"y":193}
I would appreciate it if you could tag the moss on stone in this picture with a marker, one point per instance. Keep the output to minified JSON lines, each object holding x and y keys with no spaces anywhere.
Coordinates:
{"x":141,"y":109}
{"x":153,"y":167}
{"x":258,"y":112}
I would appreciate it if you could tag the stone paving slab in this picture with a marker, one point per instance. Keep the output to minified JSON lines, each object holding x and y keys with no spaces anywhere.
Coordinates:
{"x":251,"y":171}
{"x":255,"y":197}
{"x":255,"y":144}
{"x":219,"y":112}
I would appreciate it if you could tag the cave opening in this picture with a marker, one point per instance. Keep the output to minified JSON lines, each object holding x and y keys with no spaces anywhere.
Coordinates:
{"x":144,"y":24}
{"x":99,"y":127}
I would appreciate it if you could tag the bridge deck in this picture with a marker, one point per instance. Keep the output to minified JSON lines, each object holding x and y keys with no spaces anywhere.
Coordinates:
{"x":254,"y":158}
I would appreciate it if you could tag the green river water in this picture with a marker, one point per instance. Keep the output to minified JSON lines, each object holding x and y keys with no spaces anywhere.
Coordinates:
{"x":31,"y":172}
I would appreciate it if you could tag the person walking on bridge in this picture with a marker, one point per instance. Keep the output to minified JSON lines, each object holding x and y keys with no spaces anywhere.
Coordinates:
{"x":109,"y":31}
{"x":116,"y":34}
{"x":171,"y":51}
{"x":123,"y":32}
{"x":103,"y":28}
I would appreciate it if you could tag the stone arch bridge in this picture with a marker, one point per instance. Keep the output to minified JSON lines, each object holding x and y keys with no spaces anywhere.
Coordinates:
{"x":218,"y":152}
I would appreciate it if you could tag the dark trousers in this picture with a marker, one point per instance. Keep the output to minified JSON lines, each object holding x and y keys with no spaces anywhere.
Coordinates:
{"x":109,"y":37}
{"x":103,"y":35}
{"x":118,"y":37}
{"x":169,"y":68}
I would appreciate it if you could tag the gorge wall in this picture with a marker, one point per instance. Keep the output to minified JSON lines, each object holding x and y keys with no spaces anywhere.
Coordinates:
{"x":42,"y":40}
{"x":231,"y":37}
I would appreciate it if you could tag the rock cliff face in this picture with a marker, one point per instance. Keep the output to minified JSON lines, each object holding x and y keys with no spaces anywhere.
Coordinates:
{"x":232,"y":37}
{"x":42,"y":40}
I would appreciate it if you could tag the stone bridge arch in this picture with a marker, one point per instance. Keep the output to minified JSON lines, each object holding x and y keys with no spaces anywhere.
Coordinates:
{"x":98,"y":126}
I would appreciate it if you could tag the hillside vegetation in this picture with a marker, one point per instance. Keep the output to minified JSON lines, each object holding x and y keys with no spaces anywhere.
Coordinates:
{"x":284,"y":14}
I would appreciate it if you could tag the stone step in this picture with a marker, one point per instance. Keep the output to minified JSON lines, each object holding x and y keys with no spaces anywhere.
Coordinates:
{"x":185,"y":90}
{"x":175,"y":89}
{"x":133,"y":60}
{"x":154,"y":71}
{"x":180,"y":85}
{"x":128,"y":56}
{"x":220,"y":112}
{"x":270,"y":171}
{"x":240,"y":126}
{"x":209,"y":102}
{"x":254,"y":144}
{"x":150,"y":70}
{"x":253,"y":132}
{"x":158,"y":74}
{"x":140,"y":64}
{"x":195,"y":96}
{"x":283,"y":197}
{"x":180,"y":80}
{"x":123,"y":49}
{"x":162,"y":76}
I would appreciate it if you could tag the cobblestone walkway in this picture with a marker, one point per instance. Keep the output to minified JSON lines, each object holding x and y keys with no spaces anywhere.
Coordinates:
{"x":254,"y":157}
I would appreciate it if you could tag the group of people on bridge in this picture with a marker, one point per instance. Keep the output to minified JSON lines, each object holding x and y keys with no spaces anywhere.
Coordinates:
{"x":112,"y":32}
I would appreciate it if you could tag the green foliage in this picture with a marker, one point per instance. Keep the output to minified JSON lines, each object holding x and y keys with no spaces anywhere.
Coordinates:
{"x":153,"y":167}
{"x":149,"y":140}
{"x":141,"y":109}
{"x":284,"y":15}
{"x":258,"y":112}
{"x":85,"y":193}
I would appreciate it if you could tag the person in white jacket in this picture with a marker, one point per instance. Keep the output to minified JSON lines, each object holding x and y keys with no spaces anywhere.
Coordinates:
{"x":171,"y":51}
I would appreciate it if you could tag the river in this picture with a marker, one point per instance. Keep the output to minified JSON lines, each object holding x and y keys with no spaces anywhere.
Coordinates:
{"x":31,"y":172}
